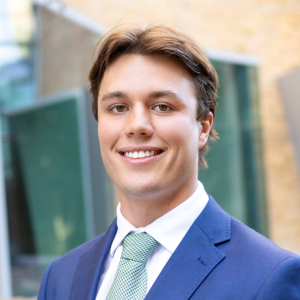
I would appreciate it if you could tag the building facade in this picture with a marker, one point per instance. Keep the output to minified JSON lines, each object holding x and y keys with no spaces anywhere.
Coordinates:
{"x":252,"y":171}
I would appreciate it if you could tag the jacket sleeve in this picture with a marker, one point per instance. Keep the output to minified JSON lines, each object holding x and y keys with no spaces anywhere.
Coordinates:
{"x":283,"y":282}
{"x":43,"y":287}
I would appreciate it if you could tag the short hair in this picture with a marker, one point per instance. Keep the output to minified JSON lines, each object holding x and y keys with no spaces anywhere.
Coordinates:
{"x":161,"y":40}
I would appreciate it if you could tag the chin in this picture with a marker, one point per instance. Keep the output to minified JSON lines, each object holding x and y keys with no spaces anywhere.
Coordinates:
{"x":141,"y":190}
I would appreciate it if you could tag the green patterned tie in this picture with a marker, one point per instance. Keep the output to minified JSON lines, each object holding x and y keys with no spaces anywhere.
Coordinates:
{"x":131,"y":278}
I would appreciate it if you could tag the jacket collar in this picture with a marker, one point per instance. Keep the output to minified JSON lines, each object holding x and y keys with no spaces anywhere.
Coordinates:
{"x":196,"y":256}
{"x":214,"y":222}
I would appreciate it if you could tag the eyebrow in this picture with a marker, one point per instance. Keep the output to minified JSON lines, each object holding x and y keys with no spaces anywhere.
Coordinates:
{"x":116,"y":94}
{"x":159,"y":94}
{"x":154,"y":94}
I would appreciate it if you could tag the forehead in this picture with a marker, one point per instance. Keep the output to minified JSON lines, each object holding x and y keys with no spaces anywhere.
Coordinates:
{"x":152,"y":71}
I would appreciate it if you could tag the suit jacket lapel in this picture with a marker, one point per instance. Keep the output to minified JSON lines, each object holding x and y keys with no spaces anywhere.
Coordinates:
{"x":89,"y":268}
{"x":195,"y":257}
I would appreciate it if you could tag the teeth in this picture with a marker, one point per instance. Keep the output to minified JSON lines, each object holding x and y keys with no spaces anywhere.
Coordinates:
{"x":140,"y":154}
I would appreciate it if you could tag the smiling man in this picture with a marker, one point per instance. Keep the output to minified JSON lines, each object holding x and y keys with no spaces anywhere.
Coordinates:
{"x":149,"y":134}
{"x":154,"y":97}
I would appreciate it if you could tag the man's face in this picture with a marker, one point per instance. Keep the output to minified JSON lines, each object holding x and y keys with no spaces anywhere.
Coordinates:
{"x":148,"y":132}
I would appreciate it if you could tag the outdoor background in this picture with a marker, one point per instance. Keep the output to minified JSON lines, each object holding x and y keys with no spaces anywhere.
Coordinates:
{"x":54,"y":191}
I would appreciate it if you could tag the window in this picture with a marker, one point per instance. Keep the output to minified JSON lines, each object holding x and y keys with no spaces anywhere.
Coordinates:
{"x":58,"y":193}
{"x":235,"y":176}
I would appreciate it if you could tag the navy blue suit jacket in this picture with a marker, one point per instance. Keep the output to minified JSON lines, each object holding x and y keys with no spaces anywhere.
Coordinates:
{"x":219,"y":258}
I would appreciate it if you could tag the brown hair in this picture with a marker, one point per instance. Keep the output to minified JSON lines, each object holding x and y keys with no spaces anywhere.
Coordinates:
{"x":163,"y":40}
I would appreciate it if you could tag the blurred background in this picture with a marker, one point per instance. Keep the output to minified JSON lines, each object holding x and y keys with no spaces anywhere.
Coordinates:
{"x":54,"y":191}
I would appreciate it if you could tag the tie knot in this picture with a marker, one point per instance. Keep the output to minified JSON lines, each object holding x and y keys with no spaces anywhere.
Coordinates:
{"x":138,"y":246}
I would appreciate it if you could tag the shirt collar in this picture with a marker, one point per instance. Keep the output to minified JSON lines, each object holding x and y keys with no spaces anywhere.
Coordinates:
{"x":170,"y":228}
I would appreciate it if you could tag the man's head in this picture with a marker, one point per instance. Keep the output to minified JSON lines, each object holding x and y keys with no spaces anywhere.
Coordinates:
{"x":154,"y":98}
{"x":167,"y":42}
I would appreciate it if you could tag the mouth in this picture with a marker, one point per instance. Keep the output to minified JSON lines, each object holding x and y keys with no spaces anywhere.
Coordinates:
{"x":141,"y":153}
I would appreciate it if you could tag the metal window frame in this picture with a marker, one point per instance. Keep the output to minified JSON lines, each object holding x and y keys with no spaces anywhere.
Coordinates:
{"x":5,"y":272}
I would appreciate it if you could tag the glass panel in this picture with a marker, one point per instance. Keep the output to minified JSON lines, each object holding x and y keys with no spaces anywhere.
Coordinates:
{"x":224,"y":177}
{"x":235,"y":176}
{"x":252,"y":145}
{"x":45,"y":191}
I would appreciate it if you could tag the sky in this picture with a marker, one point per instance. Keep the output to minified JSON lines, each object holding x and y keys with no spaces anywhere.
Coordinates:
{"x":16,"y":24}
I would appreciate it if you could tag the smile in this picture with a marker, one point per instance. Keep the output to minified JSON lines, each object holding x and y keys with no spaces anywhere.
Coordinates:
{"x":141,"y":154}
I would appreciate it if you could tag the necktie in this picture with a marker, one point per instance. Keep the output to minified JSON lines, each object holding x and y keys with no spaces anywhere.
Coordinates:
{"x":131,"y":278}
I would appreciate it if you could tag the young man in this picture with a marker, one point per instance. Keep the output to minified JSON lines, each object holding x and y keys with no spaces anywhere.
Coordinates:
{"x":154,"y":97}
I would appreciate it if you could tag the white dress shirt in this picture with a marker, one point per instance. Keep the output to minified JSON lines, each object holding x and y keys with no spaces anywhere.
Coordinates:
{"x":168,"y":230}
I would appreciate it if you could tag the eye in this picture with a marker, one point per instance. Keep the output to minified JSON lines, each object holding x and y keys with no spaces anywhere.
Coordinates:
{"x":162,"y":107}
{"x":118,"y":108}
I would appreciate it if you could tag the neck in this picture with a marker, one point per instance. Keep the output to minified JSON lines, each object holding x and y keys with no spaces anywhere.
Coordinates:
{"x":141,"y":212}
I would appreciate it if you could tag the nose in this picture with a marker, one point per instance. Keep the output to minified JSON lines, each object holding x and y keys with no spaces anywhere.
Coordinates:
{"x":138,"y":123}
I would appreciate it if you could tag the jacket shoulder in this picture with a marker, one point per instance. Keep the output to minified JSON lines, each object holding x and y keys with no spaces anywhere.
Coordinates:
{"x":283,"y":281}
{"x":275,"y":270}
{"x":61,"y":270}
{"x":254,"y":268}
{"x":268,"y":269}
{"x":244,"y":237}
{"x":81,"y":249}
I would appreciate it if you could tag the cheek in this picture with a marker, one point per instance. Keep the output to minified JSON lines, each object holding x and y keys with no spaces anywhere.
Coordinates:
{"x":107,"y":139}
{"x":107,"y":133}
{"x":180,"y":132}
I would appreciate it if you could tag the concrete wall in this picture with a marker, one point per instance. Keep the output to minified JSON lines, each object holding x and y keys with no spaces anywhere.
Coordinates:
{"x":65,"y":53}
{"x":263,"y":28}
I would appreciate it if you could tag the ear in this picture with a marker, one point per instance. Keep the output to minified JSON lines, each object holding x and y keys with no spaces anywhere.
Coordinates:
{"x":205,"y":127}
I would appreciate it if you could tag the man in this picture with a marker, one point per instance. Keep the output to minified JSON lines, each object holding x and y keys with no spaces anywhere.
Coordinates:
{"x":154,"y":97}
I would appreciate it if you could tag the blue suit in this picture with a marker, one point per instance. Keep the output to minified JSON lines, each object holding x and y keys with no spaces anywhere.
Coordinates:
{"x":219,"y":258}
